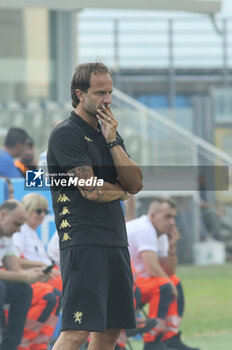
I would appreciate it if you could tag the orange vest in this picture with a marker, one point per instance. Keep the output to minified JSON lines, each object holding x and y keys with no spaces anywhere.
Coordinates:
{"x":22,"y":167}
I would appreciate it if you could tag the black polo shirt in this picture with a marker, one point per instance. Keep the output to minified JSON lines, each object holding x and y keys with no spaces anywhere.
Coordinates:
{"x":78,"y":220}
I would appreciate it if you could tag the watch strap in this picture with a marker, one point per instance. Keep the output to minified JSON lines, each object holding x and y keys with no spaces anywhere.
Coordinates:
{"x":112,"y":144}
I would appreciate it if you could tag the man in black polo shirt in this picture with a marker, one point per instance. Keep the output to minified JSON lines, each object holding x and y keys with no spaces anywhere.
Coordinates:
{"x":95,"y":263}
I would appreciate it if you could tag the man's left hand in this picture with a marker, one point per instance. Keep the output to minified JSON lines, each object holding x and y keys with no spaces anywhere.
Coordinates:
{"x":173,"y":236}
{"x":108,"y":123}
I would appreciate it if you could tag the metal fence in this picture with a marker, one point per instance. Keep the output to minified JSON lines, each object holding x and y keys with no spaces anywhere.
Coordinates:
{"x":37,"y":118}
{"x":154,"y":42}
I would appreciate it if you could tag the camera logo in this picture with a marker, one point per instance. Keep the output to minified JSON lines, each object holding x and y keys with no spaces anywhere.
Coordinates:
{"x":34,"y":178}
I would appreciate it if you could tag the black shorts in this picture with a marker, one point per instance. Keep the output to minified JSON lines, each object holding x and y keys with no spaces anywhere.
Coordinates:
{"x":97,"y":288}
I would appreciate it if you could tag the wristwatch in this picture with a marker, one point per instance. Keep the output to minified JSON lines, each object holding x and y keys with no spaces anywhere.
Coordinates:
{"x":112,"y":144}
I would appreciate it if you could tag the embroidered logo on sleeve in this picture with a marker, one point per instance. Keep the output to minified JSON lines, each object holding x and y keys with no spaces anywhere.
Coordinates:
{"x":65,"y":211}
{"x":64,"y":224}
{"x":63,"y":198}
{"x":78,"y":316}
{"x":66,"y":237}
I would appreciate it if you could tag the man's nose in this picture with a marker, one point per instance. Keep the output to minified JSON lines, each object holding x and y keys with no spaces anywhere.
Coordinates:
{"x":107,"y":99}
{"x":172,"y":221}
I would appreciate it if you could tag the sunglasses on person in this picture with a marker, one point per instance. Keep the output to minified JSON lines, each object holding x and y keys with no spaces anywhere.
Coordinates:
{"x":40,"y":211}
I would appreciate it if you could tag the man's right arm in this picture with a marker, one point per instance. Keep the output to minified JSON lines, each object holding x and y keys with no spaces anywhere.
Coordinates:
{"x":106,"y":193}
{"x":153,"y":268}
{"x":13,"y":272}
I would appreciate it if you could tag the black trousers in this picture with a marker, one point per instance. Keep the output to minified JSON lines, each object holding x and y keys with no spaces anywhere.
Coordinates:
{"x":18,"y":296}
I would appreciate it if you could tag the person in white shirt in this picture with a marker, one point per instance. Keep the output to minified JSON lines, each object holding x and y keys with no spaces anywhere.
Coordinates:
{"x":46,"y":300}
{"x":54,"y":249}
{"x":15,"y":288}
{"x":152,"y":243}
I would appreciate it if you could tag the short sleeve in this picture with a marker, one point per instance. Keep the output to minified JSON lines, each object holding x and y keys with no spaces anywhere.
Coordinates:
{"x":18,"y":241}
{"x":147,"y":240}
{"x":7,"y":167}
{"x":70,"y":149}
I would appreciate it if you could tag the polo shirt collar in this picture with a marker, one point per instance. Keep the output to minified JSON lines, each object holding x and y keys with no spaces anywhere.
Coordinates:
{"x":83,"y":124}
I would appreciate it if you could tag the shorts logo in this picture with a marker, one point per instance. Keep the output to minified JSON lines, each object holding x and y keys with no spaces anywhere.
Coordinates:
{"x":64,"y":224}
{"x":65,"y":211}
{"x":63,"y":198}
{"x":78,"y":316}
{"x":66,"y":237}
{"x":34,"y":178}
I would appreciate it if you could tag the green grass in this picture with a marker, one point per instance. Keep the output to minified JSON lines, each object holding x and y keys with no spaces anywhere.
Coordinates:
{"x":208,"y":299}
{"x":207,"y":321}
{"x":213,"y":342}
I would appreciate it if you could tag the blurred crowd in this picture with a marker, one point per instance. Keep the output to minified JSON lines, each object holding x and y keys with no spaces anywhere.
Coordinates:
{"x":30,"y":281}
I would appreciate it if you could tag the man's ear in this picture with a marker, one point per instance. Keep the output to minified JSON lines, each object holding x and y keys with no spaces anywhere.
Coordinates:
{"x":81,"y":95}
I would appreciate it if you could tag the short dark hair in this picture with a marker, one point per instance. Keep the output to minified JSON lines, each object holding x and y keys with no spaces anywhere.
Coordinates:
{"x":8,"y":205}
{"x":157,"y":202}
{"x":81,"y":78}
{"x":14,"y":136}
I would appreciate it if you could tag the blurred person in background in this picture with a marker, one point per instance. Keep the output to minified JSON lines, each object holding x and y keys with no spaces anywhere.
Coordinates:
{"x":15,"y":288}
{"x":53,"y":248}
{"x":152,"y":243}
{"x":44,"y":311}
{"x":129,"y":207}
{"x":13,"y":147}
{"x":43,"y":155}
{"x":8,"y":188}
{"x":27,"y":159}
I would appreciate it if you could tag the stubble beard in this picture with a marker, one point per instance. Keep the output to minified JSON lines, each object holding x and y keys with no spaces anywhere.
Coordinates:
{"x":91,"y":111}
